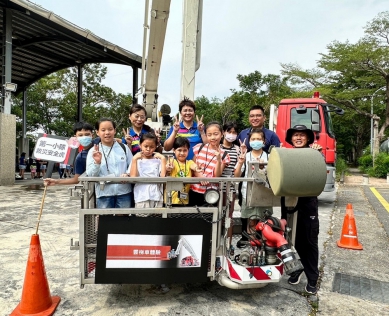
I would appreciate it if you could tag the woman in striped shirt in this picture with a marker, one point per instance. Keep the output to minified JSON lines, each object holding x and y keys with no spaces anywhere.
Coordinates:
{"x":211,"y":159}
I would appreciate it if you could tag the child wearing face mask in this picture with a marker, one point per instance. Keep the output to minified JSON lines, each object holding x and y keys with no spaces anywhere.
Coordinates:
{"x":84,"y":132}
{"x":257,"y":141}
{"x":230,"y":134}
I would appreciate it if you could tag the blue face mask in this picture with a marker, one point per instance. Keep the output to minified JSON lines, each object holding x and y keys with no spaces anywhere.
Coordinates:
{"x":85,"y":141}
{"x":256,"y":144}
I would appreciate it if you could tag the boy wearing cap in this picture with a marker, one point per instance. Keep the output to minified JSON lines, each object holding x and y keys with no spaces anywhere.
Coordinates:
{"x":307,"y":230}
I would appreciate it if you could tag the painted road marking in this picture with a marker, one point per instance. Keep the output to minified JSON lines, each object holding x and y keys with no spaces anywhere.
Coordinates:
{"x":380,"y":198}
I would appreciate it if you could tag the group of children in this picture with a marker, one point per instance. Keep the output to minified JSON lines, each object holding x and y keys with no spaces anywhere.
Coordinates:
{"x":220,"y":157}
{"x":107,"y":156}
{"x":37,"y":167}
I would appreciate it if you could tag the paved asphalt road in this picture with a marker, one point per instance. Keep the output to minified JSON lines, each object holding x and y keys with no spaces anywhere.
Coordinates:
{"x":19,"y":208}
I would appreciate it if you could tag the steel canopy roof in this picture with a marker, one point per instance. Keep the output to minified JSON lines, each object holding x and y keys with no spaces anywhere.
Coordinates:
{"x":43,"y":42}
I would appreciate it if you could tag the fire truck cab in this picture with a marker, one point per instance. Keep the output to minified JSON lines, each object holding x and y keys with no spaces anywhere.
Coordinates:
{"x":314,"y":113}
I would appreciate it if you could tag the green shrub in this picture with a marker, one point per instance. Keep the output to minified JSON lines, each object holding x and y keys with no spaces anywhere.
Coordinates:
{"x":381,"y":165}
{"x":365,"y":162}
{"x":340,"y":166}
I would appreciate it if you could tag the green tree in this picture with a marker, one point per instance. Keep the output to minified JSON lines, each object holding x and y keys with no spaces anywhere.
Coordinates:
{"x":256,"y":88}
{"x":349,"y":75}
{"x":52,"y":101}
{"x":208,"y":108}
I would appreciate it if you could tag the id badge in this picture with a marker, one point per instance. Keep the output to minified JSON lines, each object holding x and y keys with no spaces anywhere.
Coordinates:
{"x":182,"y":195}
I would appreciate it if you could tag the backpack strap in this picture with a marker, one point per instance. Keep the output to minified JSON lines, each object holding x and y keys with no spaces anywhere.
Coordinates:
{"x":122,"y":145}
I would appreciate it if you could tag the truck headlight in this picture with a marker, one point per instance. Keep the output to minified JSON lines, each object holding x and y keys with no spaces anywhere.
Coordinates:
{"x":212,"y":196}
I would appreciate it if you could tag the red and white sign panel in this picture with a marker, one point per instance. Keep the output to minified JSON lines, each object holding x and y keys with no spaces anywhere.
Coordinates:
{"x":150,"y":251}
{"x":51,"y":149}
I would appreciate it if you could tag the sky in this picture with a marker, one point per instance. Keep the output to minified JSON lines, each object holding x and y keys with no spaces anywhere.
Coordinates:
{"x":238,"y":37}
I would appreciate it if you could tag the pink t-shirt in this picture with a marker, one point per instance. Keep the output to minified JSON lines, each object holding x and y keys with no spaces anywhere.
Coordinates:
{"x":207,"y":161}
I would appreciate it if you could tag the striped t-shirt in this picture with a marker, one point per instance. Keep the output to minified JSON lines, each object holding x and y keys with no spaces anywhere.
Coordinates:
{"x":192,"y":134}
{"x":228,"y":171}
{"x":135,"y":145}
{"x":207,"y":161}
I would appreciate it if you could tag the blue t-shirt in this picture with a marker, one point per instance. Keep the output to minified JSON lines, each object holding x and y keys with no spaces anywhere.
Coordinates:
{"x":22,"y":161}
{"x":270,"y":136}
{"x":80,"y":163}
{"x":192,"y":134}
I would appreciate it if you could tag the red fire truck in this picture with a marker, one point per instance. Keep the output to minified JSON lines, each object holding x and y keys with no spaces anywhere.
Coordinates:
{"x":314,"y":113}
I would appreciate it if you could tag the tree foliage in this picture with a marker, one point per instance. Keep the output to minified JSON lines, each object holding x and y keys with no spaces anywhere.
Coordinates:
{"x":255,"y":89}
{"x":52,"y":102}
{"x":352,"y":76}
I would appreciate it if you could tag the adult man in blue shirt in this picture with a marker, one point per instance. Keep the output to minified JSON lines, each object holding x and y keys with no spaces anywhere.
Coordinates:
{"x":256,"y":119}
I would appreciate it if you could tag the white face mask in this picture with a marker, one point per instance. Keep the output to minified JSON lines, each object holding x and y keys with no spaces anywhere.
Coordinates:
{"x":230,"y":137}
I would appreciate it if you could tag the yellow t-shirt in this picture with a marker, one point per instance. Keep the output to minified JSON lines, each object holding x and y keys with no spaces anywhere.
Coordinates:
{"x":181,"y":170}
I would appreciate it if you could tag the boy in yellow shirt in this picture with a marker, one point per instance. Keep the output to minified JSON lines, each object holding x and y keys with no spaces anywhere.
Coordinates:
{"x":179,"y":167}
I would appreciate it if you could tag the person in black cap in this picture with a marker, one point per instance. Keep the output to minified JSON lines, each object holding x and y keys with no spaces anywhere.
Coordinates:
{"x":307,"y":230}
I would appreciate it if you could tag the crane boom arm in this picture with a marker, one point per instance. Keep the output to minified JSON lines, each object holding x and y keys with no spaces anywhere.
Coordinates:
{"x":187,"y":246}
{"x":159,"y":15}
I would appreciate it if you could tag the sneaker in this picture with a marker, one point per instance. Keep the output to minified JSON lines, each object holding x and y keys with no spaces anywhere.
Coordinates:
{"x":295,"y":277}
{"x":311,"y":289}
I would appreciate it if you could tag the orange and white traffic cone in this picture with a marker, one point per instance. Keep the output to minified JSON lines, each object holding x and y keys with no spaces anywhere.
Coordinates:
{"x":349,"y":237}
{"x":36,"y":299}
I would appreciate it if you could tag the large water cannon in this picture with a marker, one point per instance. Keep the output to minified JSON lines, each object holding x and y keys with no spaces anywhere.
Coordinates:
{"x":290,"y":173}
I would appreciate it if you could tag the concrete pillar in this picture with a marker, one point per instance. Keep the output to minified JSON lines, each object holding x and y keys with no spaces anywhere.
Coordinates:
{"x":23,"y":146}
{"x":79,"y":93}
{"x":134,"y":85}
{"x":23,"y":143}
{"x":7,"y":148}
{"x":6,"y":76}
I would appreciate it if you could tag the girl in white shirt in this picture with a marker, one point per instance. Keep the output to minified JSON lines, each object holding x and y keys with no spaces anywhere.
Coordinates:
{"x":148,"y":163}
{"x":257,"y":141}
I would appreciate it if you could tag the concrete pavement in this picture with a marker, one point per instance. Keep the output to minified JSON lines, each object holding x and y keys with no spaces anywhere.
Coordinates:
{"x":19,"y":208}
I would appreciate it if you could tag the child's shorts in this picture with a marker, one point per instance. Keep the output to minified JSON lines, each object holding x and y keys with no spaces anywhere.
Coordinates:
{"x":149,"y":204}
{"x":33,"y":170}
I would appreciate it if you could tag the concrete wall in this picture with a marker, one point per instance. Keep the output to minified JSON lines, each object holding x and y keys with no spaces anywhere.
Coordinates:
{"x":7,"y":148}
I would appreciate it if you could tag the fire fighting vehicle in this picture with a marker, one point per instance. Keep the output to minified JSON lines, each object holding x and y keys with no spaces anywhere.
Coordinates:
{"x":134,"y":246}
{"x":314,"y":113}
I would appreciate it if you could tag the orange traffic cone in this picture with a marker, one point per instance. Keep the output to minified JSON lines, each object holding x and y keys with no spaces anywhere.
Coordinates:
{"x":36,"y":299}
{"x":349,"y":237}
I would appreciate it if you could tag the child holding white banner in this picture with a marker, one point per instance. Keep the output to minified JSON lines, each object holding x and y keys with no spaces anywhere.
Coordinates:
{"x":148,"y":163}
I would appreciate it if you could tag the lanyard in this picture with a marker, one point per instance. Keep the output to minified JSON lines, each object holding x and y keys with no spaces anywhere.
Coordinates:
{"x":206,"y":158}
{"x":181,"y":173}
{"x":106,"y":157}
